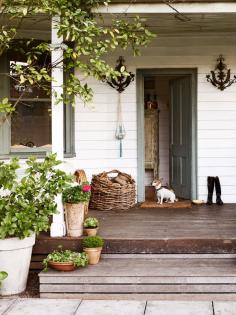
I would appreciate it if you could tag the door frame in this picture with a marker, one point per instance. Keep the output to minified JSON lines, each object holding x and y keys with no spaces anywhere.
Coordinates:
{"x":140,"y":74}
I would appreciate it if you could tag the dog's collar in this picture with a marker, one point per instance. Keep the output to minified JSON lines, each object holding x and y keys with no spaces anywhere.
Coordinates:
{"x":159,"y":188}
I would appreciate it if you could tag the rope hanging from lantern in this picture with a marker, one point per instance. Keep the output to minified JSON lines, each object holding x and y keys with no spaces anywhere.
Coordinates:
{"x":120,"y":84}
{"x":120,"y":128}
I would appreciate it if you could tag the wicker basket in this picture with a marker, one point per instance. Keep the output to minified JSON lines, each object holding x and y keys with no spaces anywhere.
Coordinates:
{"x":112,"y":190}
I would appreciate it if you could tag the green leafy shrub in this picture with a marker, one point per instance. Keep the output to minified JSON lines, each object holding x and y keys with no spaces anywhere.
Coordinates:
{"x":27,"y":203}
{"x":66,"y":256}
{"x":92,"y":242}
{"x":77,"y":194}
{"x":3,"y":275}
{"x":91,"y":223}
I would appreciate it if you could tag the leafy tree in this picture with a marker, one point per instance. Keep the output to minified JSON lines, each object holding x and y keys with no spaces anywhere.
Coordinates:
{"x":87,"y":40}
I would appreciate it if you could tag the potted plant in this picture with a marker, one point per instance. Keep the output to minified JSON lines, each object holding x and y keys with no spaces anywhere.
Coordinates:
{"x":92,"y":245}
{"x":65,"y":260}
{"x":75,"y":199}
{"x":91,"y":226}
{"x":26,"y":204}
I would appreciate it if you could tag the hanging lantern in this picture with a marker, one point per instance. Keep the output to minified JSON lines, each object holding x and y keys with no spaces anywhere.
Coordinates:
{"x":120,"y":84}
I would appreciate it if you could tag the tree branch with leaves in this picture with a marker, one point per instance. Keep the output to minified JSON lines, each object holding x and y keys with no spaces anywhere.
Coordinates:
{"x":87,"y":37}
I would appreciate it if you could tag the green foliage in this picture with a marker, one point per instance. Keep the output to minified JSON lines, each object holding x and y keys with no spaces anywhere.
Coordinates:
{"x":27,"y":203}
{"x":89,"y":36}
{"x":3,"y":275}
{"x":66,"y":256}
{"x":76,"y":194}
{"x":92,"y":242}
{"x":91,"y":223}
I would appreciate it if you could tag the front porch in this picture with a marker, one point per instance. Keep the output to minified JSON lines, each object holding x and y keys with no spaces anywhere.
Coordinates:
{"x":199,"y":230}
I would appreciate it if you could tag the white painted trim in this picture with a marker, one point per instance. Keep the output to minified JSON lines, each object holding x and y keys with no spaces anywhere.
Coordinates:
{"x":58,"y":224}
{"x":140,"y":8}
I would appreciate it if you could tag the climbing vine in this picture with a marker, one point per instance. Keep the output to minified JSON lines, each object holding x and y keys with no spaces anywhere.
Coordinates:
{"x":87,"y":37}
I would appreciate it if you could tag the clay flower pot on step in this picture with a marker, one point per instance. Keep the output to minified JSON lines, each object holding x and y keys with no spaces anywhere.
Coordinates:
{"x":75,"y":200}
{"x":91,"y":231}
{"x":94,"y":254}
{"x":61,"y":266}
{"x":91,"y":226}
{"x":65,"y":260}
{"x":92,"y":246}
{"x":74,"y":214}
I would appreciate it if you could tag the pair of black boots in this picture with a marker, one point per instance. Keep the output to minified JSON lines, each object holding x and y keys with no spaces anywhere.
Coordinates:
{"x":211,"y":182}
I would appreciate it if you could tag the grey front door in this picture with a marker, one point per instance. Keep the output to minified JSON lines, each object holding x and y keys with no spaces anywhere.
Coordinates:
{"x":180,"y":136}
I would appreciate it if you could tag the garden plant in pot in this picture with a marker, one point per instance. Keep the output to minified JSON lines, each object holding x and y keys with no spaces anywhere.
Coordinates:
{"x":26,"y":204}
{"x":75,"y":199}
{"x":92,"y":245}
{"x":65,"y":260}
{"x":91,"y":226}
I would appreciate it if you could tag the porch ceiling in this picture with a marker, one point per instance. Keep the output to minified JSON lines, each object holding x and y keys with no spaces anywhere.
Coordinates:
{"x":184,"y":24}
{"x":161,"y":24}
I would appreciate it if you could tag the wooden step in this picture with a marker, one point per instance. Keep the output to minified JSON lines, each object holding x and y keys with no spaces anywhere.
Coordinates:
{"x":145,"y":274}
{"x":113,"y":245}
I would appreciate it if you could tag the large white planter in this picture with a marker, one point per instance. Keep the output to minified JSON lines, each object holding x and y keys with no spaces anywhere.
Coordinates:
{"x":15,"y":256}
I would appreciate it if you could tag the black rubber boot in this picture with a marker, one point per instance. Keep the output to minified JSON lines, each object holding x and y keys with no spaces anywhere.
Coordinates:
{"x":218,"y":192}
{"x":210,"y":186}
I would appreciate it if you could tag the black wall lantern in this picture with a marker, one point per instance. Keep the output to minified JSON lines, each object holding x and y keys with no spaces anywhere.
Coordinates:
{"x":120,"y":84}
{"x":220,"y":78}
{"x":122,"y":81}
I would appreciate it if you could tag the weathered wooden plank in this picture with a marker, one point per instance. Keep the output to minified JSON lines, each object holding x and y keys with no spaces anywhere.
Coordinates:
{"x":142,"y":296}
{"x":179,"y":308}
{"x":145,"y":267}
{"x":138,"y":288}
{"x":134,"y":280}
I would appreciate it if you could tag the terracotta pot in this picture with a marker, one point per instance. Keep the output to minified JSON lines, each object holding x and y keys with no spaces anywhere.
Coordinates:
{"x":91,"y":231}
{"x":62,"y":266}
{"x":74,"y":218}
{"x":94,"y":254}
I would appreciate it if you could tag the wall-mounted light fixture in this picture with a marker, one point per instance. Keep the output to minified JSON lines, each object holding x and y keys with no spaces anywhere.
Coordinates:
{"x":220,"y":77}
{"x":124,"y":79}
{"x":120,"y":84}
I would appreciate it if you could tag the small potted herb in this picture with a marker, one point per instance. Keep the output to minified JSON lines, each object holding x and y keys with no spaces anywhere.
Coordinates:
{"x":91,"y":226}
{"x":92,"y":246}
{"x":65,"y":260}
{"x":75,"y":200}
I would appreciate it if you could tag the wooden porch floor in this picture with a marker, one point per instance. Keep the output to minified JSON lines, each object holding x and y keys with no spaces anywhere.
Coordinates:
{"x":199,"y":230}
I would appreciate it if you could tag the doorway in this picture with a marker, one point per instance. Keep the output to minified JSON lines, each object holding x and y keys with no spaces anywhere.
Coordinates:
{"x":167,"y":119}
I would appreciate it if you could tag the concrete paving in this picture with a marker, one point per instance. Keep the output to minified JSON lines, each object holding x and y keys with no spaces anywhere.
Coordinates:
{"x":21,"y":306}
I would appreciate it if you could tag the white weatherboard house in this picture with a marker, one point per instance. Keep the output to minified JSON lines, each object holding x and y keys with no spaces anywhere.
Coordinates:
{"x":190,"y":136}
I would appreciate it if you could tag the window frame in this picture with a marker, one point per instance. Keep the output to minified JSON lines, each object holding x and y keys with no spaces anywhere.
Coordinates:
{"x":5,"y":129}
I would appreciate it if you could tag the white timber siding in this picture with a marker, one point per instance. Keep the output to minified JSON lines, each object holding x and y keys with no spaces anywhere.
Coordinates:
{"x":98,"y":150}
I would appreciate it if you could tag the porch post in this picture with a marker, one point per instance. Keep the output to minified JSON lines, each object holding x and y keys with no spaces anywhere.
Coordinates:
{"x":58,"y":224}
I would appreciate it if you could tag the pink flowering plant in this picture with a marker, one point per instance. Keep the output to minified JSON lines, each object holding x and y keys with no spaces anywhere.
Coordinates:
{"x":77,"y":193}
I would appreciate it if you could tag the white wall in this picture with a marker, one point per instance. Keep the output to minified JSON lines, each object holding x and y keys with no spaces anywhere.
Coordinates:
{"x":96,"y":147}
{"x":95,"y":125}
